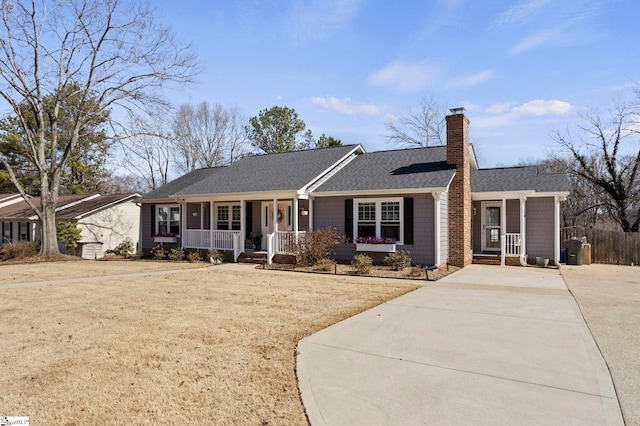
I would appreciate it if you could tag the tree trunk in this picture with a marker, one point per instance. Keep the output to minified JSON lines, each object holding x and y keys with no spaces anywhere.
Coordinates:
{"x":49,"y":242}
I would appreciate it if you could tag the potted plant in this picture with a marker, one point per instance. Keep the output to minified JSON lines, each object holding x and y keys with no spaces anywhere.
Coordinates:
{"x":257,"y":240}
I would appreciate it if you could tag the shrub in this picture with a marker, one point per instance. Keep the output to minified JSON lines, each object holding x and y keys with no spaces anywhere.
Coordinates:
{"x":215,"y":256}
{"x":158,"y":252}
{"x":313,"y":246}
{"x":325,"y":265}
{"x":361,"y":264}
{"x":69,"y":235}
{"x":416,"y":271}
{"x":398,"y":260}
{"x":194,"y":257}
{"x":19,"y":249}
{"x":176,"y":254}
{"x":125,"y":248}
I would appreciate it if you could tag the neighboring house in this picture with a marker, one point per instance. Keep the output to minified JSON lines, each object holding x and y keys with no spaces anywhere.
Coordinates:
{"x":105,"y":219}
{"x":432,"y":202}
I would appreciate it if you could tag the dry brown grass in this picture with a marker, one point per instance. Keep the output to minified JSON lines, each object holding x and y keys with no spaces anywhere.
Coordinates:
{"x":215,"y":346}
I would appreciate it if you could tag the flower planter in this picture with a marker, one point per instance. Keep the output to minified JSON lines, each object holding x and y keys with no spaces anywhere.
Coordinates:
{"x":379,"y":248}
{"x":165,"y":239}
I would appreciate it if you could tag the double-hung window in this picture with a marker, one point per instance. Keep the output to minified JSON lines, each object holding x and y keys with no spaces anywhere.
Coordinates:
{"x":6,"y":233}
{"x":23,"y":231}
{"x":379,"y":218}
{"x":168,"y":221}
{"x":228,"y":216}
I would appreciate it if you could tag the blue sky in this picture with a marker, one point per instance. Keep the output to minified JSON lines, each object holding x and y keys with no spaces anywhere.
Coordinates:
{"x":520,"y":68}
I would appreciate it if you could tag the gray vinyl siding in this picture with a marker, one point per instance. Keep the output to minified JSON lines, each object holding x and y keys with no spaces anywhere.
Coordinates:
{"x":329,"y":211}
{"x":513,"y":216}
{"x":444,"y":228}
{"x":539,"y":238}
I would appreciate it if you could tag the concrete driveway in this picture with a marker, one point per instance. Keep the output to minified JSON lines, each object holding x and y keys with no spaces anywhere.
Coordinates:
{"x":484,"y":346}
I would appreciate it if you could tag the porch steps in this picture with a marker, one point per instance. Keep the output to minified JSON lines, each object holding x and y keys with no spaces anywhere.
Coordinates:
{"x":258,"y":257}
{"x":486,"y":259}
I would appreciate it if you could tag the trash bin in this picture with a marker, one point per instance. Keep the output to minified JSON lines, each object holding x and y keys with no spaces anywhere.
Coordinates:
{"x":575,"y":252}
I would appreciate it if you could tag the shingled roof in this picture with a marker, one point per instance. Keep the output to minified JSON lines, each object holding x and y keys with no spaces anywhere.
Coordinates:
{"x":287,"y":171}
{"x":69,"y":206}
{"x":165,"y":192}
{"x":517,"y":179}
{"x":393,"y":170}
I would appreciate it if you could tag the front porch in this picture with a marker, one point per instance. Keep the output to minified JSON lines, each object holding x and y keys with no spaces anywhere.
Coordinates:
{"x":277,"y":243}
{"x":243,"y":226}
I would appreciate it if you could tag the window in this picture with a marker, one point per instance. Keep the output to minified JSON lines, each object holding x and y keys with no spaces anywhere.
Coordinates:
{"x":168,"y":221}
{"x":390,"y":219}
{"x":6,"y":233}
{"x":23,"y":231}
{"x":228,"y":216}
{"x":379,"y":219}
{"x":366,"y":220}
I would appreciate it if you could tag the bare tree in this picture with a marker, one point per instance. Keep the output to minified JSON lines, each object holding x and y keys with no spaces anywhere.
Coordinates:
{"x":112,"y":50}
{"x":207,"y":135}
{"x":419,"y":127}
{"x":147,"y":152}
{"x":598,"y":157}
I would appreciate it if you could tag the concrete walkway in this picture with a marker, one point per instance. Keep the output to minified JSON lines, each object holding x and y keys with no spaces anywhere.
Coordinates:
{"x":484,"y":346}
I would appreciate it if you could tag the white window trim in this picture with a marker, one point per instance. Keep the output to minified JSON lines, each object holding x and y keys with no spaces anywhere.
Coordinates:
{"x":170,"y":206}
{"x":230,"y":220}
{"x":378,"y":202}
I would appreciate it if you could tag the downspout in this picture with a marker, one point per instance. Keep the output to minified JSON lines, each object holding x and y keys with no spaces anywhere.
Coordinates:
{"x":310,"y":213}
{"x":436,"y":223}
{"x":295,"y":214}
{"x":503,"y":232}
{"x":523,"y":230}
{"x":556,"y":230}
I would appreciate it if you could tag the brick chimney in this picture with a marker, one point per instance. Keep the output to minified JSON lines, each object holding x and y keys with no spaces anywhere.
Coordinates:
{"x":460,"y":249}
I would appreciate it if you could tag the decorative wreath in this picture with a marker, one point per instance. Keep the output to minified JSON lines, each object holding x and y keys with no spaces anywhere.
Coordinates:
{"x":279,"y":215}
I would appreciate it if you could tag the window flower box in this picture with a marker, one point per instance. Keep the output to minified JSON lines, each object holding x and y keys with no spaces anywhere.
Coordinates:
{"x":379,"y":248}
{"x":165,"y":238}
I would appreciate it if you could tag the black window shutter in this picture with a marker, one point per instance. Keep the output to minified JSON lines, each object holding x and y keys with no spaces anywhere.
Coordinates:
{"x":153,"y":220}
{"x":248,"y":217}
{"x":348,"y":219}
{"x":28,"y":231}
{"x":408,"y":220}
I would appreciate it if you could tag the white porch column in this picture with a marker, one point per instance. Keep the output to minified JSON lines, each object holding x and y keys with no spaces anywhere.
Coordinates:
{"x":436,"y":226}
{"x":503,"y":231}
{"x":243,"y":232}
{"x":295,"y":214}
{"x":310,"y":213}
{"x":556,"y":230}
{"x":275,"y":215}
{"x":523,"y":230}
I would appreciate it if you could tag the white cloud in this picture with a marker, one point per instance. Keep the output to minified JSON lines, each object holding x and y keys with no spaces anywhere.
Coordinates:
{"x":498,"y":108}
{"x":405,"y":76}
{"x":345,"y":106}
{"x":320,"y":19}
{"x":472,"y":80}
{"x":540,"y":107}
{"x":520,"y":11}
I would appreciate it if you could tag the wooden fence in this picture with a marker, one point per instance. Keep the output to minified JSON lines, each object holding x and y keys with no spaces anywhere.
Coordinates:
{"x":610,"y":247}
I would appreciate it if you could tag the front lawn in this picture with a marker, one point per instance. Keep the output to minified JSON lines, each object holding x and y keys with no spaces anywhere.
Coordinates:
{"x":212,"y":346}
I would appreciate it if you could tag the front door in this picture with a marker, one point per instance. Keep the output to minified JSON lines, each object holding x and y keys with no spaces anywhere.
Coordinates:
{"x":284,"y":218}
{"x":491,"y":229}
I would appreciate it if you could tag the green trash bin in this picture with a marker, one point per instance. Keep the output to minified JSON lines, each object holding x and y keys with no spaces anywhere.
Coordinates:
{"x":575,"y":252}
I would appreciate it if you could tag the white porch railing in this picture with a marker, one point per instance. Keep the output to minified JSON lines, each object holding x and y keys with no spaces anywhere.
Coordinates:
{"x":281,"y":242}
{"x":213,"y":239}
{"x":513,"y":244}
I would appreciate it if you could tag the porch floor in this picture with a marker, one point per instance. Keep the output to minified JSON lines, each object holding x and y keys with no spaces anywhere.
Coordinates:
{"x":486,"y":259}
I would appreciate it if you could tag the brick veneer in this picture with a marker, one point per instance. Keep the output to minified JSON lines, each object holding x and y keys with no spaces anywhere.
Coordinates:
{"x":460,"y":250}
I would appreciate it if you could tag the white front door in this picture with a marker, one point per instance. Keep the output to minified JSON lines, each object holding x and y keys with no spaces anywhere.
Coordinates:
{"x":491,"y":228}
{"x":285,"y":218}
